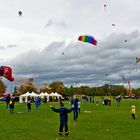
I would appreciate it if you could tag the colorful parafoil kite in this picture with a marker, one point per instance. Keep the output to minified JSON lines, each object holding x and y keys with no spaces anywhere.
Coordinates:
{"x":88,"y":39}
{"x":137,"y":60}
{"x":6,"y":72}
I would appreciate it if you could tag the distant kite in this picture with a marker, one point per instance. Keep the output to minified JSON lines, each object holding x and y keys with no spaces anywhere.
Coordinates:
{"x":125,"y":40}
{"x":113,"y":24}
{"x":19,"y":13}
{"x":104,"y":6}
{"x":137,"y":60}
{"x":88,"y":39}
{"x":123,"y":77}
{"x":6,"y":72}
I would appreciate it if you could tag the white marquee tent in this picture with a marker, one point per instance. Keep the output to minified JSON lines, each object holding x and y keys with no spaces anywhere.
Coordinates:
{"x":24,"y":96}
{"x":42,"y":94}
{"x":33,"y":94}
{"x":55,"y":95}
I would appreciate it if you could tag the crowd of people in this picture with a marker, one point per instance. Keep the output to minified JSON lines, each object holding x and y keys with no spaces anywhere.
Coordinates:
{"x":75,"y":108}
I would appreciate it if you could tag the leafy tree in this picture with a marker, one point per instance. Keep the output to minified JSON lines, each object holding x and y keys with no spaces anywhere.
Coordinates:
{"x":2,"y":87}
{"x":58,"y":87}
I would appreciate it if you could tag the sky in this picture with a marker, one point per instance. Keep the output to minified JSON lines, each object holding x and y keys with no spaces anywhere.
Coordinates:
{"x":43,"y":42}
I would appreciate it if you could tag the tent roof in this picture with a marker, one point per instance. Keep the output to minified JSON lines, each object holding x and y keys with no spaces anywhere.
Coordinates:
{"x":33,"y":94}
{"x":26,"y":94}
{"x":43,"y":94}
{"x":55,"y":94}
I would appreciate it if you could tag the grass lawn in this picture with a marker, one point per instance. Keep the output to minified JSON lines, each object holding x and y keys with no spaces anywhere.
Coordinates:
{"x":94,"y":122}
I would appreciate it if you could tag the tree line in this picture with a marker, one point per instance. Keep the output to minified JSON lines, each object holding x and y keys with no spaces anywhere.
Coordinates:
{"x":59,"y":87}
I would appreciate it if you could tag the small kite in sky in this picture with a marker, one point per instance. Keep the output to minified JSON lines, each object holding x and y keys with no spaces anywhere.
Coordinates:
{"x":125,"y":40}
{"x":123,"y":77}
{"x":19,"y":13}
{"x":6,"y":72}
{"x":88,"y":39}
{"x":137,"y":60}
{"x":113,"y":24}
{"x":104,"y":6}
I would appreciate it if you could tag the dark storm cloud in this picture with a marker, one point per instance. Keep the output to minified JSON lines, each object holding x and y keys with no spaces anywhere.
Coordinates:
{"x":82,"y":62}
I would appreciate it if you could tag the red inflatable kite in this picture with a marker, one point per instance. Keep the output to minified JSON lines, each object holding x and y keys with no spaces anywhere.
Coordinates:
{"x":6,"y":72}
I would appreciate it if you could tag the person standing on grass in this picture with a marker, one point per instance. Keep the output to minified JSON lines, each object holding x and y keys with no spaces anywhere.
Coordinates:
{"x":133,"y":111}
{"x":29,"y":106}
{"x":79,"y":105}
{"x":75,"y":108}
{"x":12,"y":102}
{"x":37,"y":103}
{"x":63,"y":117}
{"x":8,"y":101}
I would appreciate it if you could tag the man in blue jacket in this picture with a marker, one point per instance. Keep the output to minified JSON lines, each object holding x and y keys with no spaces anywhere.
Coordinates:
{"x":63,"y":117}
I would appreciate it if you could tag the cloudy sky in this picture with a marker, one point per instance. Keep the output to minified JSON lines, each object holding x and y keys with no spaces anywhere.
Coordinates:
{"x":42,"y":43}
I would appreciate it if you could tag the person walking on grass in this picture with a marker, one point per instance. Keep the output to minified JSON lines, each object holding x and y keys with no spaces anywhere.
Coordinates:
{"x":63,"y":117}
{"x":133,"y":111}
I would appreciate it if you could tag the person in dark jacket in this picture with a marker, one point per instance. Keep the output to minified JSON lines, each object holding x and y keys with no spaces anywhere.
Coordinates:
{"x":63,"y":117}
{"x":29,"y":106}
{"x":8,"y":102}
{"x":75,"y":108}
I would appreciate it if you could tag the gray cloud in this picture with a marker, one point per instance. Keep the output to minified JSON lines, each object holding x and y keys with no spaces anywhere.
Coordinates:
{"x":8,"y":46}
{"x":82,"y":62}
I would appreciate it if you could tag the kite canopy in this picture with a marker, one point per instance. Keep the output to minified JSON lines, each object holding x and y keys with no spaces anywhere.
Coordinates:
{"x":88,"y":39}
{"x":6,"y":72}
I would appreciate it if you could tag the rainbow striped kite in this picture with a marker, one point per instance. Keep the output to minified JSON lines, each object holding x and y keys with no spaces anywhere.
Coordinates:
{"x":88,"y":39}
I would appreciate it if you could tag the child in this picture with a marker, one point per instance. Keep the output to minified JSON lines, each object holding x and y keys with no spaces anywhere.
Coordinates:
{"x":63,"y":117}
{"x":29,"y":106}
{"x":133,"y":111}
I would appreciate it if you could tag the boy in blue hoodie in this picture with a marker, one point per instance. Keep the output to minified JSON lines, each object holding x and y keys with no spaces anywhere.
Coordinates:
{"x":63,"y":117}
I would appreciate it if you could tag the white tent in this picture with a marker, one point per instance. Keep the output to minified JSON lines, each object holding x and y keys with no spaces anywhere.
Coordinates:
{"x":24,"y":96}
{"x":55,"y":95}
{"x":42,"y":94}
{"x":52,"y":94}
{"x":33,"y":94}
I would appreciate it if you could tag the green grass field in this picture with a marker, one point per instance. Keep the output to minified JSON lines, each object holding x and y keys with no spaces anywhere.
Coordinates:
{"x":94,"y":123}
